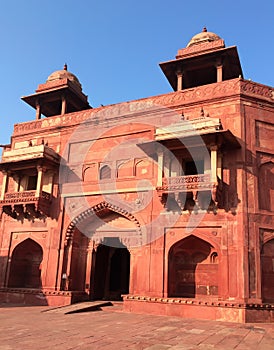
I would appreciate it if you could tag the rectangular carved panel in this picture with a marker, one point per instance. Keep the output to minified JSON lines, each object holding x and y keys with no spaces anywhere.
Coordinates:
{"x":264,"y":134}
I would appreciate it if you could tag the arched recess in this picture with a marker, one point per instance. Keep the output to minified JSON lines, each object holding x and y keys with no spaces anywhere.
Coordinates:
{"x":266,"y":186}
{"x":125,"y":168}
{"x":191,"y":270}
{"x":267,"y":270}
{"x":90,"y":173}
{"x":25,"y":270}
{"x":142,"y":168}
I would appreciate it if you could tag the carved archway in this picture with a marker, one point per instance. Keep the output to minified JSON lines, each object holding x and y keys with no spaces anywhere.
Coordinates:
{"x":95,"y":211}
{"x":25,"y":270}
{"x":103,"y":221}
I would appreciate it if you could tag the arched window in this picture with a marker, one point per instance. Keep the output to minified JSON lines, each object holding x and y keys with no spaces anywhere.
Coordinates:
{"x":105,"y":172}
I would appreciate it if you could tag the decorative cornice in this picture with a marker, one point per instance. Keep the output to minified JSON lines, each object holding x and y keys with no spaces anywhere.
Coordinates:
{"x":133,"y":109}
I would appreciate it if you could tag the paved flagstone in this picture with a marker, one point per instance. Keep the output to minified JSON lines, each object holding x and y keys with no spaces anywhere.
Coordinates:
{"x":27,"y":328}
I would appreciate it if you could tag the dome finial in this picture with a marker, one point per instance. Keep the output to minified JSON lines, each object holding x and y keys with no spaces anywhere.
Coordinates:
{"x":65,"y":66}
{"x":203,"y":37}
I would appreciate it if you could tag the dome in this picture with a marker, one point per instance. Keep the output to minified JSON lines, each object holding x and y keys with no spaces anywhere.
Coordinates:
{"x":64,"y":74}
{"x":202,"y":37}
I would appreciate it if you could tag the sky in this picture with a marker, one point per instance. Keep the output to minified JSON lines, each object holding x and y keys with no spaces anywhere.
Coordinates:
{"x":115,"y":47}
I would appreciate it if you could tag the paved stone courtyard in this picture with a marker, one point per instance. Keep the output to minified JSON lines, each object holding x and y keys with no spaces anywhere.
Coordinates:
{"x":24,"y":328}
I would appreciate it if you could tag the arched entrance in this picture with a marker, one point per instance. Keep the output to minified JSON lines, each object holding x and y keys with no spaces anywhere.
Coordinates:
{"x":267,"y":264}
{"x":25,"y":269}
{"x":111,"y":274}
{"x":192,"y":269}
{"x":99,"y":262}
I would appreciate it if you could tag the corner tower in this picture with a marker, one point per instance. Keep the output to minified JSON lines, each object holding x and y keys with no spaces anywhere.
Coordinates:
{"x":204,"y":60}
{"x":60,"y":94}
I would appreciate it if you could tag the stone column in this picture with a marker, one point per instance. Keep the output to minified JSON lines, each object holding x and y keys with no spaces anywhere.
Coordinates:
{"x":4,"y":184}
{"x":68,"y":266}
{"x":89,"y":266}
{"x":38,"y":110}
{"x":160,"y":168}
{"x":132,"y":272}
{"x":213,"y":157}
{"x":16,"y":183}
{"x":219,"y":165}
{"x":219,"y":68}
{"x":39,"y":181}
{"x":64,"y":105}
{"x":179,"y":81}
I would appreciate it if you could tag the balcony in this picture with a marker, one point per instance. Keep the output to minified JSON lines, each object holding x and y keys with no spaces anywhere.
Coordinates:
{"x":186,"y":183}
{"x":188,"y":193}
{"x":13,"y":158}
{"x":26,"y":204}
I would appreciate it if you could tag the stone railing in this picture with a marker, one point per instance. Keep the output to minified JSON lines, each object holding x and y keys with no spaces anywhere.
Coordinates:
{"x":25,"y":196}
{"x":16,"y":203}
{"x":19,"y":196}
{"x":191,"y":182}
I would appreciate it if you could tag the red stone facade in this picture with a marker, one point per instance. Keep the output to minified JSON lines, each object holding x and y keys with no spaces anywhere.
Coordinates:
{"x":165,"y":202}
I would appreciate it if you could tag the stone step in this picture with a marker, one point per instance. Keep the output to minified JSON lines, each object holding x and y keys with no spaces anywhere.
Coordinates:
{"x":81,"y":307}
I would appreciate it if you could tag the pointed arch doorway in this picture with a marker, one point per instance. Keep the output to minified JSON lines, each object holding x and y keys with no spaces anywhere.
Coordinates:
{"x":110,"y":230}
{"x":111,"y":272}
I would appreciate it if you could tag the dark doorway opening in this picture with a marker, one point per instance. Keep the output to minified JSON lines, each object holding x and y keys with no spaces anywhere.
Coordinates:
{"x":111,"y":275}
{"x":194,"y":167}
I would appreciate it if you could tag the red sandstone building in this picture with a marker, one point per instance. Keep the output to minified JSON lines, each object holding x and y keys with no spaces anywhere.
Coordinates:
{"x":166,"y":202}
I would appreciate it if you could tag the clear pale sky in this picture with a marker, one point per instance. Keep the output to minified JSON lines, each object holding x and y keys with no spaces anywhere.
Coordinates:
{"x":114,"y":47}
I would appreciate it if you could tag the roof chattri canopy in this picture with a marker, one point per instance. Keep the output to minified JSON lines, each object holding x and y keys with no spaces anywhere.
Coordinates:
{"x":60,"y":94}
{"x":64,"y":74}
{"x":205,"y":60}
{"x":203,"y":37}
